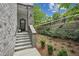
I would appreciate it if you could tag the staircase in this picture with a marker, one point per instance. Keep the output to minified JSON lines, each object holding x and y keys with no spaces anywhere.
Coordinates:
{"x":23,"y":41}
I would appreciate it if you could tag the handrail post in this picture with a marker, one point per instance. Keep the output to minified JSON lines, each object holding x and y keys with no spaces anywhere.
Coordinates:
{"x":32,"y":33}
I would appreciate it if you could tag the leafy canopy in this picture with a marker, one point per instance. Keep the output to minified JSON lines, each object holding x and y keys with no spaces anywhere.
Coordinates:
{"x":38,"y":14}
{"x":72,"y":10}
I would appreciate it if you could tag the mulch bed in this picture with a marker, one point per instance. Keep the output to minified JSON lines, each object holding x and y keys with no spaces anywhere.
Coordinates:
{"x":58,"y":44}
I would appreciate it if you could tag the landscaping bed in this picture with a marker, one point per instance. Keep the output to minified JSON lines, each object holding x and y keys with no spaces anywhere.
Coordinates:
{"x":70,"y":47}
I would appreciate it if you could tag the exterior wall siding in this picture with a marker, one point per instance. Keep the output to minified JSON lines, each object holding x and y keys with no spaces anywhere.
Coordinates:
{"x":8,"y":23}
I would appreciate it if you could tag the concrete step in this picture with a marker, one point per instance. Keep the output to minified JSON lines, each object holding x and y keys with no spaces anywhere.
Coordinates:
{"x":22,"y":33}
{"x":23,"y":44}
{"x":22,"y":37}
{"x":22,"y":47}
{"x":23,"y":40}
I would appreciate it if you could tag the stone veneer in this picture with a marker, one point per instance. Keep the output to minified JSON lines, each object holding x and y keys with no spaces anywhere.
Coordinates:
{"x":8,"y":22}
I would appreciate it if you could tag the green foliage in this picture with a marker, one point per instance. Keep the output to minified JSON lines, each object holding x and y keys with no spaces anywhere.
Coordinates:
{"x":66,"y":32}
{"x":76,"y":35}
{"x":62,"y":53}
{"x":38,"y":15}
{"x":70,"y":19}
{"x":72,"y":10}
{"x":42,"y":43}
{"x":46,"y":31}
{"x":50,"y":49}
{"x":63,"y":32}
{"x":65,"y":5}
{"x":56,"y":16}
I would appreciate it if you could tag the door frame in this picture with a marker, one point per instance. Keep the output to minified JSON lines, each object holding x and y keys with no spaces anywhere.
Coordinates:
{"x":22,"y":19}
{"x":27,"y":17}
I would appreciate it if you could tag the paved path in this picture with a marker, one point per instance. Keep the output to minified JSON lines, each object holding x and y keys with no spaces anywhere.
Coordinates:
{"x":27,"y":52}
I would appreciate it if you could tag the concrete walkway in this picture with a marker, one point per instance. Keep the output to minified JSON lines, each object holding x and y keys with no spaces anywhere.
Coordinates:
{"x":27,"y":52}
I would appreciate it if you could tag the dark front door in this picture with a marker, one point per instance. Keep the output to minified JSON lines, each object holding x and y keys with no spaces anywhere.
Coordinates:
{"x":22,"y":24}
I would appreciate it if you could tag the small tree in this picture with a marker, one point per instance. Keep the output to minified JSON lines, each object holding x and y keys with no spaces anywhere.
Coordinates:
{"x":50,"y":49}
{"x":42,"y":43}
{"x":62,"y":53}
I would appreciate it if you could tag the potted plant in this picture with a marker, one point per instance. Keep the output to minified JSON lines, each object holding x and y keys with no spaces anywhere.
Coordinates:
{"x":50,"y":49}
{"x":42,"y":43}
{"x":62,"y":53}
{"x":19,"y":30}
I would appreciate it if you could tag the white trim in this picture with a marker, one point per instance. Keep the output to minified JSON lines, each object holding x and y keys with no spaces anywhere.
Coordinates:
{"x":32,"y":29}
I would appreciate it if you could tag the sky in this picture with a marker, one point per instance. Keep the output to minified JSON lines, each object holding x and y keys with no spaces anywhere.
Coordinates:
{"x":50,"y":8}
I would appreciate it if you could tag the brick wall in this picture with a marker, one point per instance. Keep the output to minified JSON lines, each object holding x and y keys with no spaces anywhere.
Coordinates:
{"x":8,"y":22}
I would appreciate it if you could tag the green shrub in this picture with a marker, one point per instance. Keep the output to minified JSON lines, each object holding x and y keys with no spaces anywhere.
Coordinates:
{"x":76,"y":35}
{"x":47,"y":29}
{"x":42,"y":43}
{"x":45,"y":32}
{"x":62,"y":53}
{"x":66,"y":32}
{"x":50,"y":49}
